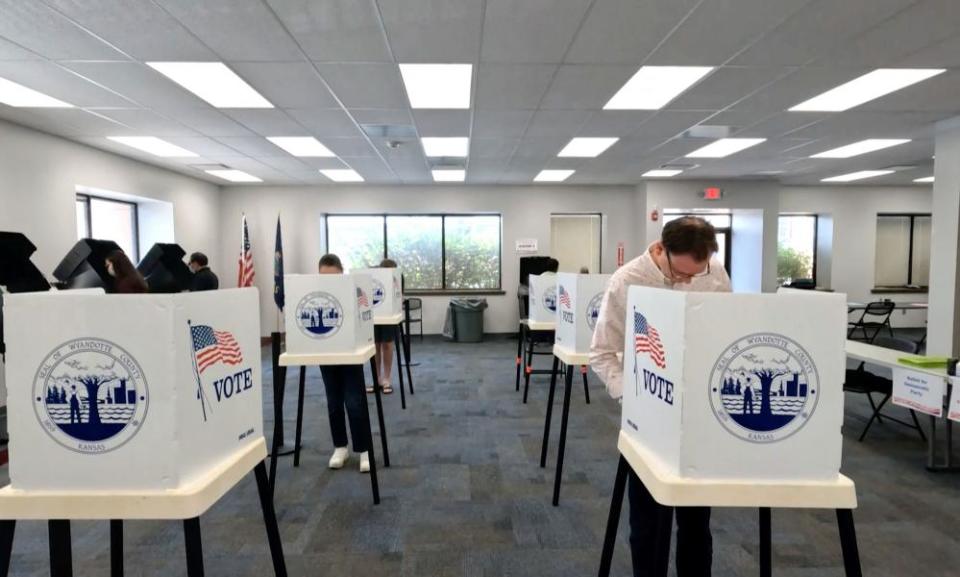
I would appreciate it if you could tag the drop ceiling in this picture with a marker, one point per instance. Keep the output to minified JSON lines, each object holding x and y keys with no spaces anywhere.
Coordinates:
{"x":542,"y":72}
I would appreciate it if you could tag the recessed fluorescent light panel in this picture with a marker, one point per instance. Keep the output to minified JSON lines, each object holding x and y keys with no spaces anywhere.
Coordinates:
{"x":661,"y":173}
{"x":449,"y":175}
{"x":305,"y":146}
{"x":342,"y":174}
{"x":871,"y":85}
{"x":587,"y":147}
{"x":456,"y":146}
{"x":857,"y":175}
{"x":925,"y":179}
{"x":437,"y":85}
{"x":553,"y":175}
{"x":725,"y":147}
{"x":213,"y":82}
{"x":862,"y":147}
{"x":234,"y":175}
{"x":13,"y":94}
{"x":153,"y":145}
{"x":653,"y":87}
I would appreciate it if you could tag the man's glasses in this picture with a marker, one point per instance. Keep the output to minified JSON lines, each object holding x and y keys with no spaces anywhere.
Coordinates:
{"x":685,"y":276}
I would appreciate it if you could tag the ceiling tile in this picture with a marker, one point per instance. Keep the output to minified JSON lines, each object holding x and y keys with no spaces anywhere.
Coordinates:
{"x":725,"y":86}
{"x":560,"y":125}
{"x":36,"y":27}
{"x":287,"y":84}
{"x":382,"y":116}
{"x":433,"y":30}
{"x":202,"y":145}
{"x":316,"y":163}
{"x":149,"y":123}
{"x":579,"y":86}
{"x":365,"y":85}
{"x":54,"y":81}
{"x":11,"y":51}
{"x":372,"y":169}
{"x":442,"y":122}
{"x":500,"y":123}
{"x":210,"y":122}
{"x":347,"y":147}
{"x":615,"y":122}
{"x":335,"y":30}
{"x":326,"y":122}
{"x":255,"y":146}
{"x":138,"y":82}
{"x":512,"y":86}
{"x":536,"y":31}
{"x":492,"y":147}
{"x":267,"y":121}
{"x":796,"y":88}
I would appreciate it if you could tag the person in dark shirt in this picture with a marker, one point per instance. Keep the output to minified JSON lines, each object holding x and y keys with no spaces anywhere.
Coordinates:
{"x":203,"y":277}
{"x":126,"y":278}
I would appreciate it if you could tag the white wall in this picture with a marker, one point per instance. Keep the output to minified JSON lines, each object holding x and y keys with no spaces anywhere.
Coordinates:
{"x":39,"y":174}
{"x":854,"y":212}
{"x":526,"y":214}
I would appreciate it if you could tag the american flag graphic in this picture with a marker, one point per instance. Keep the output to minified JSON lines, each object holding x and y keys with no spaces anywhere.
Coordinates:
{"x":564,"y":298}
{"x":212,"y":347}
{"x":245,"y":278}
{"x":648,"y":340}
{"x":362,"y":298}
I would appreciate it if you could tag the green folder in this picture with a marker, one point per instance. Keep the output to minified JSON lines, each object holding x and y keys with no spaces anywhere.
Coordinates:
{"x":926,"y":362}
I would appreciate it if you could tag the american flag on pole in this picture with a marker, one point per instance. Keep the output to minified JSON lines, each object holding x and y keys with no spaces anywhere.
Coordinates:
{"x":647,"y":340}
{"x":212,"y":347}
{"x":245,"y":278}
{"x":564,"y":298}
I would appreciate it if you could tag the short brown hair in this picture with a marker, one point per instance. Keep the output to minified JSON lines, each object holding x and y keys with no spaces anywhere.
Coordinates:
{"x":199,"y":258}
{"x":690,"y":235}
{"x":388,"y":263}
{"x":331,"y":259}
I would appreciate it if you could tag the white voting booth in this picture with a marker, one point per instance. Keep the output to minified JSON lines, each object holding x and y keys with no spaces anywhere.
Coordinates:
{"x":328,"y":314}
{"x":387,"y":299}
{"x":130,"y":392}
{"x":578,"y":306}
{"x":735,"y":387}
{"x":543,"y":298}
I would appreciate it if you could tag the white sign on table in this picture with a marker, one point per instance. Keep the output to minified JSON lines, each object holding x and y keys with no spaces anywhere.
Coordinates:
{"x":735,"y":386}
{"x":130,"y":392}
{"x":954,"y":413}
{"x":918,"y":391}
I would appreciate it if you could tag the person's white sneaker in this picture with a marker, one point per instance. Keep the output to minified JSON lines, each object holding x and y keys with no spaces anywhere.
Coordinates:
{"x":339,"y":458}
{"x":364,"y":462}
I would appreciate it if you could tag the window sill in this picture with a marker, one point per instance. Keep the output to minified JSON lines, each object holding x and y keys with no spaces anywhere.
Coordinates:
{"x":439,"y":293}
{"x":899,"y":290}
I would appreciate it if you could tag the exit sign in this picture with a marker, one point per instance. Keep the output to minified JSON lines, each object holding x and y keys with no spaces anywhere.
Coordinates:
{"x":712,"y":193}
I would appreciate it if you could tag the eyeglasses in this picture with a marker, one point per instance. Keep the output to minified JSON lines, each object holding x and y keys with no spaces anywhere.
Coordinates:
{"x":684,"y":276}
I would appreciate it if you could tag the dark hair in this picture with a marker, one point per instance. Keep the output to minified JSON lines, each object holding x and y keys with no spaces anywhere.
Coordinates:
{"x":199,"y":258}
{"x":690,"y":235}
{"x":388,"y":263}
{"x":553,"y":265}
{"x":126,"y":277}
{"x":331,"y":259}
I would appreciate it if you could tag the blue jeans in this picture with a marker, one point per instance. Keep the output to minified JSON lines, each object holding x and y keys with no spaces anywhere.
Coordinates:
{"x":344,"y":386}
{"x":694,"y":541}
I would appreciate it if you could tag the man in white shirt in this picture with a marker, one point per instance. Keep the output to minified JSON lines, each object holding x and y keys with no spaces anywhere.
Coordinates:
{"x":683,"y":259}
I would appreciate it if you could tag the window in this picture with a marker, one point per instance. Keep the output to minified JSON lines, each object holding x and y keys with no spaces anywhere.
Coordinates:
{"x":722,"y":222}
{"x":796,"y":247}
{"x":108,"y":219}
{"x":435,"y":252}
{"x":903,"y":251}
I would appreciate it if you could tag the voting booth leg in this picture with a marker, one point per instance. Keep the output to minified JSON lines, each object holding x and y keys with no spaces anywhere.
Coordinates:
{"x":7,"y":529}
{"x":296,"y":443}
{"x":568,"y":385}
{"x":279,"y":378}
{"x":270,"y":520}
{"x":194,"y":548}
{"x":519,"y":354}
{"x":527,"y":369}
{"x":848,"y":543}
{"x":613,"y":521}
{"x":586,"y":388}
{"x":404,"y":338}
{"x":398,"y":344}
{"x":116,"y":548}
{"x":546,"y":424}
{"x":61,"y":557}
{"x":375,"y":374}
{"x":766,"y":544}
{"x":374,"y":484}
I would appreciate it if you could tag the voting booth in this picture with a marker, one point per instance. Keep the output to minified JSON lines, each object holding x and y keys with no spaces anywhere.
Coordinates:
{"x":543,"y":298}
{"x":130,"y":392}
{"x":387,"y":298}
{"x":578,"y":303}
{"x":328,"y":313}
{"x":736,"y":386}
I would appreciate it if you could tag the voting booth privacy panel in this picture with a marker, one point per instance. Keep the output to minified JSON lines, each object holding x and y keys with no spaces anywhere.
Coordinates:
{"x":328,"y":313}
{"x":130,"y":392}
{"x":543,"y":298}
{"x":736,"y":386}
{"x":578,"y":304}
{"x":387,"y":299}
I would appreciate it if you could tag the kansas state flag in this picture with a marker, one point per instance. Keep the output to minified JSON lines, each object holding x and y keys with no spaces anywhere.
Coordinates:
{"x":278,"y":269}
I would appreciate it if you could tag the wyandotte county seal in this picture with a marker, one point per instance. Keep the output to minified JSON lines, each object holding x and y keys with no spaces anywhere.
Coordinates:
{"x":319,"y":315}
{"x":593,"y":310}
{"x":764,"y":388}
{"x":90,"y":395}
{"x":379,"y":293}
{"x":550,"y":298}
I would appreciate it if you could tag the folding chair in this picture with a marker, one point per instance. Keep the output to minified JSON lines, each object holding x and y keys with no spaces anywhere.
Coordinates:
{"x":875,"y":318}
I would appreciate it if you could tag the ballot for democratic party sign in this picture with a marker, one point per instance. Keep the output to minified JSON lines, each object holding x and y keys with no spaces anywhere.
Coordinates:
{"x":328,"y":313}
{"x":543,"y":298}
{"x":736,"y":386}
{"x":578,"y":305}
{"x":130,"y":392}
{"x":387,"y":299}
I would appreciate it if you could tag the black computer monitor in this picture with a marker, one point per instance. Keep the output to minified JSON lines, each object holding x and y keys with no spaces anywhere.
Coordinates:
{"x":85,"y":265}
{"x":164,"y":270}
{"x":536,"y":265}
{"x":17,"y":272}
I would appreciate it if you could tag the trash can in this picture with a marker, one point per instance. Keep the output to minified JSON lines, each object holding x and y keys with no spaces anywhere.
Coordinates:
{"x":464,"y":323}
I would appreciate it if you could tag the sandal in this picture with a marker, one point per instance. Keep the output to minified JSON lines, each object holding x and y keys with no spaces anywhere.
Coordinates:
{"x":387,"y":390}
{"x":370,"y":389}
